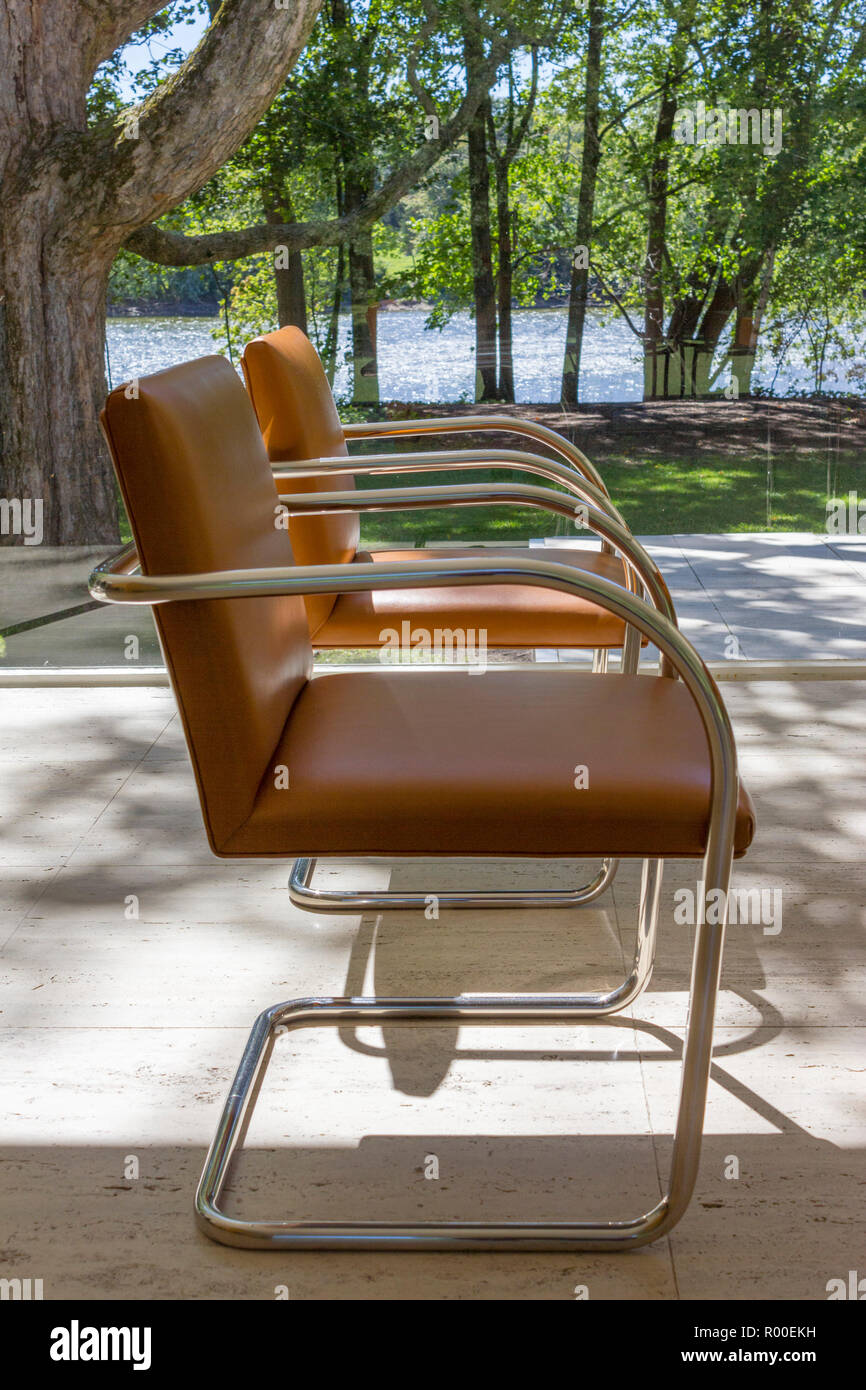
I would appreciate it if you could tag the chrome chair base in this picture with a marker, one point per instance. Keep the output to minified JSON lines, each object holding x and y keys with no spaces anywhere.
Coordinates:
{"x":376,"y":1235}
{"x":491,"y":1008}
{"x":310,"y":899}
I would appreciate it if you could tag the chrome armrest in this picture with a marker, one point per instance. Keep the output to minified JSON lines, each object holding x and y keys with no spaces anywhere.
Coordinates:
{"x":126,"y":561}
{"x":441,"y":460}
{"x":482,"y":494}
{"x":111,"y":582}
{"x":461,"y":424}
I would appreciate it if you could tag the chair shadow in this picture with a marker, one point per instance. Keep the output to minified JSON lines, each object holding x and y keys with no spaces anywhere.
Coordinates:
{"x":407,"y":955}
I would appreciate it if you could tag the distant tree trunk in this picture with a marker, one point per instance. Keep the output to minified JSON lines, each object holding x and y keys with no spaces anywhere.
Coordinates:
{"x":288,"y":272}
{"x":662,"y":368}
{"x":504,"y":284}
{"x":724,"y":300}
{"x":679,"y":361}
{"x":722,"y":304}
{"x":506,"y":221}
{"x":332,"y":333}
{"x":784,"y":61}
{"x":358,"y":169}
{"x":291,"y":295}
{"x":483,"y":287}
{"x":579,"y":287}
{"x":683,"y":327}
{"x":70,"y":195}
{"x":661,"y":376}
{"x":750,"y":317}
{"x":362,"y":288}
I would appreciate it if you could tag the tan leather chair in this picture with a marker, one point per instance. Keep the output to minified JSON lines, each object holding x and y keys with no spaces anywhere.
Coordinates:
{"x":389,"y":762}
{"x":306,"y":443}
{"x":303,"y":433}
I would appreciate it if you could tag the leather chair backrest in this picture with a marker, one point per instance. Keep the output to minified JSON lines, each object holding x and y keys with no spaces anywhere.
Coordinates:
{"x":298,"y":419}
{"x":200,"y":496}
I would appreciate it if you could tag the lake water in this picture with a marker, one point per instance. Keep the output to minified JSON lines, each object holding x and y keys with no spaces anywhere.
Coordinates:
{"x":416,"y":364}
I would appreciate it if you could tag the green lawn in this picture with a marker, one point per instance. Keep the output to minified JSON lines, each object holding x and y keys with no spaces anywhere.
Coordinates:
{"x":660,"y":497}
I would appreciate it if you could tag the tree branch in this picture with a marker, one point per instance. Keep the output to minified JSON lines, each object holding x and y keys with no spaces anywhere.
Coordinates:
{"x":196,"y":119}
{"x":174,"y":249}
{"x":504,"y":158}
{"x":617,"y":301}
{"x":113,"y":21}
{"x":419,"y":91}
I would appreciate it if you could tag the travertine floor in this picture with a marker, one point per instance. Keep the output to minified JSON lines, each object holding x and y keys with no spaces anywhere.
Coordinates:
{"x":120,"y":1033}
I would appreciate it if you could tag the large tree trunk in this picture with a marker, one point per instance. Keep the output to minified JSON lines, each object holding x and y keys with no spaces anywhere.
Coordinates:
{"x":53,"y":281}
{"x":52,"y":378}
{"x":579,"y":287}
{"x":71,"y":195}
{"x":52,"y":300}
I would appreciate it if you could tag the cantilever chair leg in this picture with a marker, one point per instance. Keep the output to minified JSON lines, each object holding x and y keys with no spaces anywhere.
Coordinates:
{"x":495,"y":1009}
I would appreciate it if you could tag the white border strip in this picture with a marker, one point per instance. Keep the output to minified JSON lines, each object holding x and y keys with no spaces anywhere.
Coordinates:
{"x":96,"y":676}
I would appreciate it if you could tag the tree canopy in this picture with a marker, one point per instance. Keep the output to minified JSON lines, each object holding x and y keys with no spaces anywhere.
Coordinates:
{"x":694,"y":170}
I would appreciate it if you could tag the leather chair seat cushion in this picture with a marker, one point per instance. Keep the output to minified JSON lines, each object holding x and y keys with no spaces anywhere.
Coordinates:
{"x":452,"y":763}
{"x":513,"y":615}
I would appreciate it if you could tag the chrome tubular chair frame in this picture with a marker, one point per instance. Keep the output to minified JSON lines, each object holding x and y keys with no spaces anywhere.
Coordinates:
{"x":113,"y":582}
{"x":451,"y":459}
{"x":463,"y":424}
{"x":640,"y":568}
{"x":336,"y":900}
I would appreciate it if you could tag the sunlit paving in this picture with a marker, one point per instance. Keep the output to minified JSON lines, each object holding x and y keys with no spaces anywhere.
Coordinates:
{"x":432,"y":655}
{"x":134,"y":963}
